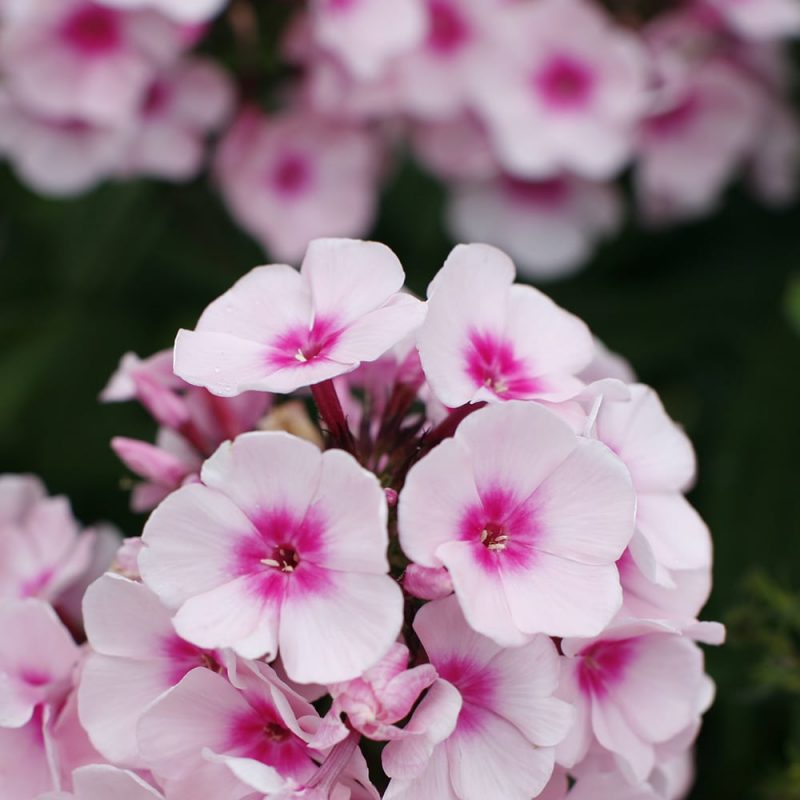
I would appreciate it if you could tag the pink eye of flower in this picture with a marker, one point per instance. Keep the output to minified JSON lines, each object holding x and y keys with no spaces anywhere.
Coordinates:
{"x":448,"y":31}
{"x":565,"y":83}
{"x":284,"y":558}
{"x":92,"y":30}
{"x":547,"y":193}
{"x":291,"y":176}
{"x":604,"y":664}
{"x":275,"y":732}
{"x":494,"y":537}
{"x":491,"y":362}
{"x":156,"y":99}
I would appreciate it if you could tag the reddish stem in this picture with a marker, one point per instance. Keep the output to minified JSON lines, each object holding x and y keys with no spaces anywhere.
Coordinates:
{"x":332,"y":414}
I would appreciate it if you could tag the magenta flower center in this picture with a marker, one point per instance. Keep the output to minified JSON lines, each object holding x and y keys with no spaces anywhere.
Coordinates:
{"x":546,"y":193}
{"x":283,"y":558}
{"x":301,"y":345}
{"x":448,"y":29}
{"x":156,"y":99}
{"x":494,"y":537}
{"x":292,"y":175}
{"x":92,"y":31}
{"x":491,"y":362}
{"x":565,"y":83}
{"x":275,"y":732}
{"x":603,"y":665}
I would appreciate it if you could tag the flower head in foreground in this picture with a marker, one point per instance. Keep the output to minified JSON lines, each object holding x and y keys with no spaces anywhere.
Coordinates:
{"x":277,"y":330}
{"x":527,"y":517}
{"x":281,"y":548}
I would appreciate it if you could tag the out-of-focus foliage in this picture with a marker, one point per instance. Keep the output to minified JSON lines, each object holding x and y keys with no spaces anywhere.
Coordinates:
{"x":765,"y":627}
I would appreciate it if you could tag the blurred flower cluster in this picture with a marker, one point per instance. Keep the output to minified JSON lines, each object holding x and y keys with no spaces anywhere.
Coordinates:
{"x":529,"y":111}
{"x":398,"y":549}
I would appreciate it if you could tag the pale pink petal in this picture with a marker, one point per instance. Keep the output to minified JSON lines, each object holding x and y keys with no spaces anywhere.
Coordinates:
{"x":674,"y":530}
{"x":231,"y":615}
{"x":515,"y":446}
{"x":585,"y":507}
{"x":102,"y":781}
{"x":483,"y":595}
{"x":337,"y":634}
{"x":438,"y":490}
{"x":495,"y":760}
{"x":187,"y":543}
{"x":124,"y":618}
{"x":354,"y":508}
{"x":244,"y":471}
{"x":348,"y":278}
{"x":196,"y":714}
{"x":551,"y":599}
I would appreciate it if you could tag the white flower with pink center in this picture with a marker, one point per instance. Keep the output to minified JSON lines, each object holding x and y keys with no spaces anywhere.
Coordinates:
{"x":133,"y":643}
{"x":277,"y":329}
{"x":298,"y":176}
{"x":690,"y":147}
{"x":180,"y":108}
{"x":43,"y":551}
{"x":206,"y":723}
{"x":561,"y":89}
{"x":636,"y":688}
{"x":37,"y":658}
{"x":75,"y":59}
{"x":486,"y":338}
{"x":366,"y":34}
{"x":549,"y":227}
{"x":57,"y":157}
{"x":280,"y":548}
{"x":527,"y":517}
{"x":431,"y":81}
{"x":488,"y":727}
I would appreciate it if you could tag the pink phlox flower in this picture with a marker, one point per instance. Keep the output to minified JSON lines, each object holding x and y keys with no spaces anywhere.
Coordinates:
{"x":132,"y":643}
{"x":37,"y":659}
{"x":560,"y":88}
{"x":278,"y":329}
{"x":527,"y":517}
{"x":297,"y":176}
{"x":639,"y":690}
{"x":281,"y":547}
{"x":79,"y":60}
{"x":488,"y":726}
{"x":487,"y":338}
{"x":383,"y":695}
{"x":678,"y":175}
{"x":43,"y":550}
{"x":549,"y":227}
{"x":57,"y":157}
{"x":180,"y":108}
{"x":206,"y":725}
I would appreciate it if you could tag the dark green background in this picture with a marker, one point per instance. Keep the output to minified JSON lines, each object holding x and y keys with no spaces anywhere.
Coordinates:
{"x":702,"y":312}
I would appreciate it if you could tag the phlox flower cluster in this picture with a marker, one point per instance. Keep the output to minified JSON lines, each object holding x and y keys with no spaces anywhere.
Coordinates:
{"x":396,"y":548}
{"x":528,"y":111}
